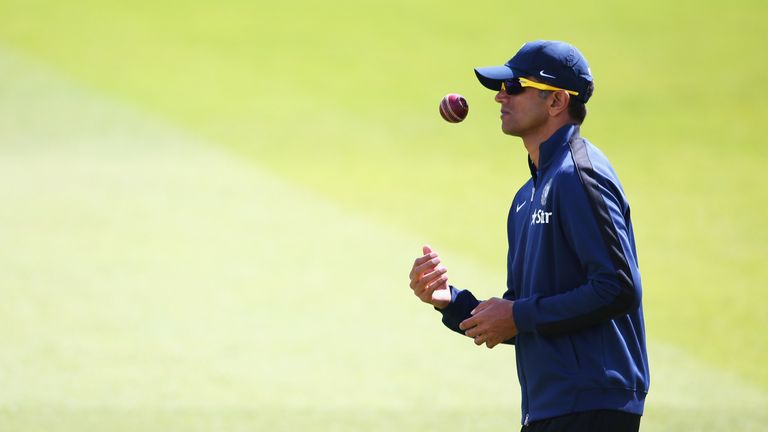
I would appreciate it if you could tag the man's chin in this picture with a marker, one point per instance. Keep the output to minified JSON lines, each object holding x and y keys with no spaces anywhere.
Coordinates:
{"x":508,"y":130}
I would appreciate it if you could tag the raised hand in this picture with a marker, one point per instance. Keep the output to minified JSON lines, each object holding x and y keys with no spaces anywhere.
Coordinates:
{"x":428,"y":281}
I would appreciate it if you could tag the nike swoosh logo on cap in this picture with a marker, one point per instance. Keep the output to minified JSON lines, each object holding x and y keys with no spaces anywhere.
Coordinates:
{"x":546,"y":75}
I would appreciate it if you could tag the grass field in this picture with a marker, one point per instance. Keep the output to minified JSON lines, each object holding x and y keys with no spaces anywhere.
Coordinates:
{"x":208,"y":212}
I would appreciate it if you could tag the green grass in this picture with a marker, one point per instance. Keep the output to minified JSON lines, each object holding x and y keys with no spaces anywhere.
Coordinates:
{"x":149,"y":269}
{"x":158,"y":281}
{"x":162,"y":284}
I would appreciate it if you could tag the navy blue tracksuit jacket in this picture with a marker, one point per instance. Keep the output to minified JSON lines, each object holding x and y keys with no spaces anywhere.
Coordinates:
{"x":572,"y":272}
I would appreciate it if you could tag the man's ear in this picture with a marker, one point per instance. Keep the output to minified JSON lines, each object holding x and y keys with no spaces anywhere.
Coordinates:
{"x":559,"y":102}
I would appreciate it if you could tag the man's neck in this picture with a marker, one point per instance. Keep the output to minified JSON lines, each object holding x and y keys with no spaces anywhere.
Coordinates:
{"x":533,"y":141}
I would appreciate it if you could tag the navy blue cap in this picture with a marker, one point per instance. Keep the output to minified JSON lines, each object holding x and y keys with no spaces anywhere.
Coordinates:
{"x":555,"y":63}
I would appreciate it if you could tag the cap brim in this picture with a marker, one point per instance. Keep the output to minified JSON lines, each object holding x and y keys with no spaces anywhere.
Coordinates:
{"x":492,"y":76}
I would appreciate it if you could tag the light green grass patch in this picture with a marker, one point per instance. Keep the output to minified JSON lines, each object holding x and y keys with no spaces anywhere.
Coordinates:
{"x":342,"y":99}
{"x":154,"y":282}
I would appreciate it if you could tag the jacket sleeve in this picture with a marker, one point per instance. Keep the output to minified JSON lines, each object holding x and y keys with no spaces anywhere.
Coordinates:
{"x":594,"y":219}
{"x":462,"y":303}
{"x":460,"y":308}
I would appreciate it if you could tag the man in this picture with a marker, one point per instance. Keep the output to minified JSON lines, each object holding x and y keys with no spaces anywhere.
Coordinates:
{"x":572,"y":305}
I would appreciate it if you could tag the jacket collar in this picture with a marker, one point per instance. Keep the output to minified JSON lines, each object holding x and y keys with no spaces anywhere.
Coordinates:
{"x":550,"y":148}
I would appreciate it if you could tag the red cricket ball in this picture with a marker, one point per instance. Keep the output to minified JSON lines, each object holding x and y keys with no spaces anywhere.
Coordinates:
{"x":454,"y":108}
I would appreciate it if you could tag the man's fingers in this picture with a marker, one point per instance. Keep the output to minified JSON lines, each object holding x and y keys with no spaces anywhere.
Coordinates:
{"x":479,"y":308}
{"x":433,"y":275}
{"x":422,"y":276}
{"x":434,"y":285}
{"x":472,"y":332}
{"x":479,"y":339}
{"x":424,"y":258}
{"x":427,"y":265}
{"x":428,"y":279}
{"x":437,"y":283}
{"x":468,"y":323}
{"x":427,"y":285}
{"x":423,"y":264}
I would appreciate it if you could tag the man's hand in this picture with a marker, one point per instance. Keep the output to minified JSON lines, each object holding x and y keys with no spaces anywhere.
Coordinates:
{"x":428,"y":281}
{"x":491,"y":323}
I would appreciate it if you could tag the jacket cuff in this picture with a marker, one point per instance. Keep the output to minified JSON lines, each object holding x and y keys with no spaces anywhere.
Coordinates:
{"x":524,"y":313}
{"x":462,"y":303}
{"x":452,"y":306}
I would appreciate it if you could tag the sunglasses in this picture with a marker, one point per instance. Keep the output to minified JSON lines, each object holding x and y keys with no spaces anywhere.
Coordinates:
{"x":515,"y":86}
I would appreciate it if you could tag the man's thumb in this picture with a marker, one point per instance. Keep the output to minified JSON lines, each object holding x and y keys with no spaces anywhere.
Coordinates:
{"x":426,"y":249}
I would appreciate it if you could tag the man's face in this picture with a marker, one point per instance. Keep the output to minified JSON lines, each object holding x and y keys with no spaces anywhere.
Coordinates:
{"x":524,"y":113}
